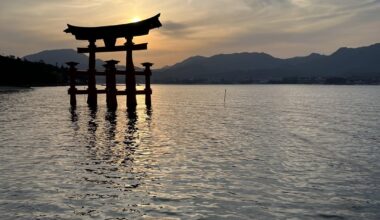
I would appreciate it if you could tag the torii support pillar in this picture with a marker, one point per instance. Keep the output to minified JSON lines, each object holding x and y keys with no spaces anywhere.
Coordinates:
{"x":92,"y":94}
{"x":111,"y":91}
{"x":130,"y":78}
{"x":148,"y":90}
{"x":72,"y":89}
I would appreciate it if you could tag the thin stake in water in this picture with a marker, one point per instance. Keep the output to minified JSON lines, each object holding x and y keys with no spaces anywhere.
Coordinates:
{"x":225,"y":94}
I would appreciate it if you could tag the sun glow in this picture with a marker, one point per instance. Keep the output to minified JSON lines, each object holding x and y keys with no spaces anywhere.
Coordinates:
{"x":135,"y":19}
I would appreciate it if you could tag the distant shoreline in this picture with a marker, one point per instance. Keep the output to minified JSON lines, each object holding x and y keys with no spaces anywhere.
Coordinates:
{"x":9,"y":88}
{"x":321,"y":84}
{"x":15,"y":88}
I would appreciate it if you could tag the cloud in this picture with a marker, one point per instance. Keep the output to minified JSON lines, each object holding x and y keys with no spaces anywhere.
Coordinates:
{"x":299,"y":29}
{"x":174,"y":26}
{"x":266,"y":3}
{"x":175,"y":29}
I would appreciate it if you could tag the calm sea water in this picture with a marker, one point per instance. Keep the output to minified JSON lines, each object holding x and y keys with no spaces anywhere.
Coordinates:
{"x":269,"y":152}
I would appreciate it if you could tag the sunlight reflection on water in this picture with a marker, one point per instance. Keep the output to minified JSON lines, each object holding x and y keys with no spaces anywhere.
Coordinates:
{"x":271,"y":152}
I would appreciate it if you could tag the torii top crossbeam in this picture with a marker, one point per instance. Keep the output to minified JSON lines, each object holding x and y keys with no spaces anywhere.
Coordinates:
{"x":114,"y":31}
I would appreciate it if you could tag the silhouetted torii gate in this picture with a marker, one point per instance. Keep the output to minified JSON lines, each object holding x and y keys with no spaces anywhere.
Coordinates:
{"x":109,"y":34}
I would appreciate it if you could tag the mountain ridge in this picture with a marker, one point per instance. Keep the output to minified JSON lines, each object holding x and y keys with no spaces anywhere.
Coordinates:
{"x":360,"y":63}
{"x":59,"y":57}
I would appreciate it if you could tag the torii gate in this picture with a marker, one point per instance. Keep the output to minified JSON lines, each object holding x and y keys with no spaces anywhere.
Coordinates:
{"x":109,"y":34}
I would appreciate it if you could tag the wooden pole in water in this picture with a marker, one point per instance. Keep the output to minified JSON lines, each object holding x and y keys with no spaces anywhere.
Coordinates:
{"x":225,"y":94}
{"x":148,"y":90}
{"x":72,"y":90}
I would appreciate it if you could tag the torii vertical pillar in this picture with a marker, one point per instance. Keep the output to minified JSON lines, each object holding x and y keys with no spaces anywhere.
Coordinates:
{"x":130,"y":78}
{"x":111,"y":84}
{"x":72,"y":90}
{"x":92,"y":94}
{"x":148,"y":90}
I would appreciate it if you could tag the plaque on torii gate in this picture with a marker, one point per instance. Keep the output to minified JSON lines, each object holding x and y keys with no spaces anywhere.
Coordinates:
{"x":109,"y":34}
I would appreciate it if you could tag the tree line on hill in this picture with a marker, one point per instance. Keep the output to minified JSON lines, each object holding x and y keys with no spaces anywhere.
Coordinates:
{"x":22,"y":73}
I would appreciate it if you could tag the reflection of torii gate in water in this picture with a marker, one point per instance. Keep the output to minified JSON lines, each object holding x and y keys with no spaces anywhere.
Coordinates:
{"x":109,"y":34}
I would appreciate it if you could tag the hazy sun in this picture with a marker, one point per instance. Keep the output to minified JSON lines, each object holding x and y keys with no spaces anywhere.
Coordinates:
{"x":136,"y":19}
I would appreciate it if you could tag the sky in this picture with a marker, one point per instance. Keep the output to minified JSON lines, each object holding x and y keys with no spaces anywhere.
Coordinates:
{"x":282,"y":28}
